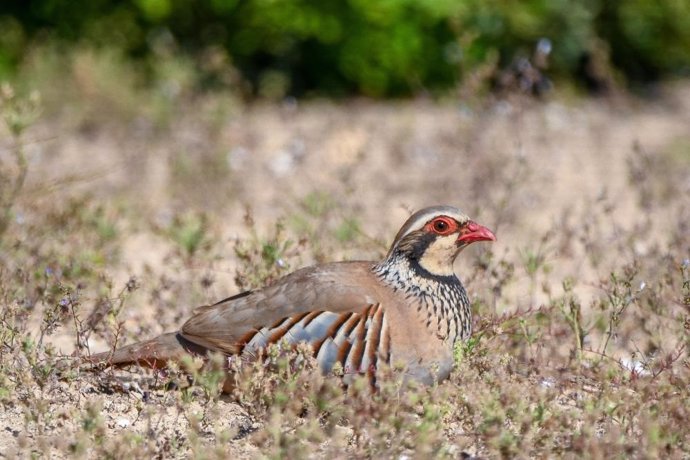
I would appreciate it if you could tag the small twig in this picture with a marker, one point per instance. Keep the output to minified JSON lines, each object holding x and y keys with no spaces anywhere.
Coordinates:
{"x":78,"y":327}
{"x":104,"y":306}
{"x":670,"y":359}
{"x":495,"y":320}
{"x":604,"y":355}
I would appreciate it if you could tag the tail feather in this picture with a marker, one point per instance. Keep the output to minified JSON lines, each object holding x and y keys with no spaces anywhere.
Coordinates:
{"x":154,"y":353}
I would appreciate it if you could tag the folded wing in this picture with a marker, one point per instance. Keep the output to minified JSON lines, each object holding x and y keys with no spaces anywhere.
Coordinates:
{"x":328,"y":307}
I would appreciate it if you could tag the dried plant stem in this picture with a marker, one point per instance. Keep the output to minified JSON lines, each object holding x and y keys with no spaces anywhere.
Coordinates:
{"x":9,"y":200}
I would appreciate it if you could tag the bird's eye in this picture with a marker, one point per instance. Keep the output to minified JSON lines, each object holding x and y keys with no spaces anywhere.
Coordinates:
{"x":441,"y":226}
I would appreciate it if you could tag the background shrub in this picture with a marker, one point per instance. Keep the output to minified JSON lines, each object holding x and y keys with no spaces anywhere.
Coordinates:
{"x":388,"y":47}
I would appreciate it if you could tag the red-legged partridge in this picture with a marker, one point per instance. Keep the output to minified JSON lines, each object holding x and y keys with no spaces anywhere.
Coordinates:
{"x":407,"y":309}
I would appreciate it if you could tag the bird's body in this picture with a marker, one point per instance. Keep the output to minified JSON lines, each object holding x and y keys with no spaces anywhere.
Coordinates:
{"x":408,"y":309}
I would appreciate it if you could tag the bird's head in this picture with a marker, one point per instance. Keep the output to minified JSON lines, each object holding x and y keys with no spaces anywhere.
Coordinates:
{"x":433,"y":237}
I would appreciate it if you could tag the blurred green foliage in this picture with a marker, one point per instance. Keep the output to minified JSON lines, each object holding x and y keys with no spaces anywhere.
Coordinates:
{"x":379,"y":48}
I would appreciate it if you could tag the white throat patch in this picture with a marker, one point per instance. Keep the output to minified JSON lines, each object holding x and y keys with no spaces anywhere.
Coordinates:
{"x":439,"y":256}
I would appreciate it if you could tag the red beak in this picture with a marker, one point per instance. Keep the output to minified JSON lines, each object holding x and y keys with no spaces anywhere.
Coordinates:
{"x":473,"y":232}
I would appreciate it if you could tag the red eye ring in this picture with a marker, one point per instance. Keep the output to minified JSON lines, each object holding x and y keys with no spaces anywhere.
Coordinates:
{"x":442,"y":226}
